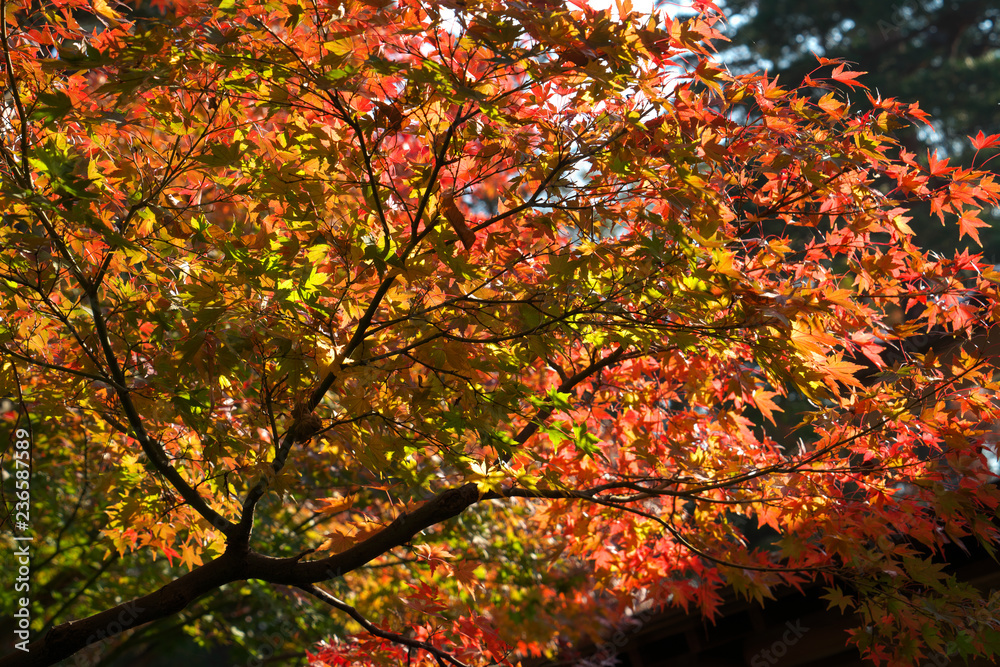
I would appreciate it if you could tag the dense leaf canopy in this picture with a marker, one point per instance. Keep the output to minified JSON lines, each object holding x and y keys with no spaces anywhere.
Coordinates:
{"x":942,"y":53}
{"x":444,"y":332}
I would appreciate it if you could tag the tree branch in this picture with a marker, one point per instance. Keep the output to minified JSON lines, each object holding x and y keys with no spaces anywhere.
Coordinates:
{"x":67,"y":638}
{"x":22,"y":114}
{"x":439,"y":655}
{"x":545,"y":412}
{"x":157,"y":457}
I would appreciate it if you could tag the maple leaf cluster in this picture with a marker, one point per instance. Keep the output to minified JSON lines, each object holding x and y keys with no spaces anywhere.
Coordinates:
{"x":482,"y":320}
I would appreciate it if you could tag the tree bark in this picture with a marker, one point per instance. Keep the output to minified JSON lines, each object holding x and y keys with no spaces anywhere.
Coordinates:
{"x":67,"y":638}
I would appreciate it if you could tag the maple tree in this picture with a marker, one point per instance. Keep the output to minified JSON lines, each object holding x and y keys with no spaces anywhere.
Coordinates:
{"x":462,"y":323}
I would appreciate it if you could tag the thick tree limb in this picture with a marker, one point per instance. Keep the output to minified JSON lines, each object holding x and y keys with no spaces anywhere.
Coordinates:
{"x":66,"y":639}
{"x":293,"y":572}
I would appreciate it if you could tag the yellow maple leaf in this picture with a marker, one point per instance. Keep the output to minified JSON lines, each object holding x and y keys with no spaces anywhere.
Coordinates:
{"x":103,"y":10}
{"x":334,"y":505}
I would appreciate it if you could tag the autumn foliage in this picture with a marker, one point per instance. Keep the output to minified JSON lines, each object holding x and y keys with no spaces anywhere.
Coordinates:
{"x":473,"y":324}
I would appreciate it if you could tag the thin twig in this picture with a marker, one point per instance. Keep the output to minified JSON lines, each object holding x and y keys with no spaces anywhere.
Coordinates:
{"x":442,"y":657}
